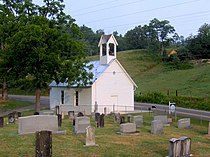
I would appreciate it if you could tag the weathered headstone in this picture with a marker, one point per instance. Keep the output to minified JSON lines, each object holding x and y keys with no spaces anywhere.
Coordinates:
{"x":129,"y":118}
{"x":101,"y":119}
{"x":81,"y":123}
{"x":43,"y":144}
{"x":32,"y":124}
{"x":105,"y":110}
{"x":70,"y":114}
{"x":90,"y":136}
{"x":138,"y":120}
{"x":11,"y":118}
{"x":184,"y":123}
{"x":163,"y":119}
{"x":97,"y":116}
{"x":185,"y":146}
{"x":57,"y":110}
{"x":157,"y":127}
{"x":128,"y":128}
{"x":209,"y":129}
{"x":122,"y":119}
{"x":1,"y":122}
{"x":59,"y":120}
{"x":174,"y":147}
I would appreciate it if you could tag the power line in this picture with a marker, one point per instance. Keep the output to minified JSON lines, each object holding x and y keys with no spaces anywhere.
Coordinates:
{"x":124,"y":15}
{"x":109,"y":7}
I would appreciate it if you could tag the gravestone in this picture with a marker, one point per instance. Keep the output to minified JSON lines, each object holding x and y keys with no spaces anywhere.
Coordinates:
{"x":1,"y":122}
{"x":122,"y":119}
{"x":174,"y":147}
{"x":129,"y":118}
{"x":105,"y":110}
{"x":90,"y":136}
{"x":32,"y":124}
{"x":138,"y":120}
{"x":184,"y":123}
{"x":163,"y":119}
{"x":70,"y":114}
{"x":185,"y":146}
{"x":57,"y":110}
{"x":43,"y":144}
{"x":81,"y":123}
{"x":209,"y":129}
{"x":115,"y":118}
{"x":11,"y":118}
{"x":46,"y":112}
{"x":59,"y":120}
{"x":97,"y":116}
{"x":101,"y":121}
{"x":157,"y":127}
{"x":128,"y":128}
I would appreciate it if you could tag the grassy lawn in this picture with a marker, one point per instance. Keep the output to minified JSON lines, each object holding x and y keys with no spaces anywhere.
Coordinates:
{"x":142,"y":144}
{"x":13,"y":104}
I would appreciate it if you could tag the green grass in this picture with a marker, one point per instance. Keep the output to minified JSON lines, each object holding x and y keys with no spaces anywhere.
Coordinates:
{"x":13,"y":104}
{"x":143,"y":144}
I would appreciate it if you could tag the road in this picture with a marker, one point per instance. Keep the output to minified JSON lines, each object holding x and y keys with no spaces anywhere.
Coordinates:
{"x":160,"y":109}
{"x":164,"y":109}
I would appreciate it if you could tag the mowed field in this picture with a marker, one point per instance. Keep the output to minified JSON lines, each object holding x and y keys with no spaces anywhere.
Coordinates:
{"x":110,"y":144}
{"x":151,"y":75}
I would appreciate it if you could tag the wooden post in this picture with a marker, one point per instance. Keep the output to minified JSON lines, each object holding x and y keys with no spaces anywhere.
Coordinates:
{"x":43,"y":144}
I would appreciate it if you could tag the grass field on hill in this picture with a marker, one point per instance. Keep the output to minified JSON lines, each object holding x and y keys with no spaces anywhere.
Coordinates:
{"x":151,"y":75}
{"x":111,"y":144}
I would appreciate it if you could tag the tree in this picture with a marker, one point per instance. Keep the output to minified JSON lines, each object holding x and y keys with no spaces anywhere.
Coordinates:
{"x":47,"y":45}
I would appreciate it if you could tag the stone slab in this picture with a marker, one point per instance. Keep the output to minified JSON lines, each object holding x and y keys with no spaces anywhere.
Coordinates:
{"x":32,"y":124}
{"x":81,"y":123}
{"x":138,"y":120}
{"x":128,"y":128}
{"x":157,"y":127}
{"x":184,"y":123}
{"x":163,"y":119}
{"x":47,"y":112}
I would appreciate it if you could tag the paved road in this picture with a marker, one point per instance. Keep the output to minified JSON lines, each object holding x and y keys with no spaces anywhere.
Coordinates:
{"x":161,"y":109}
{"x":164,"y":109}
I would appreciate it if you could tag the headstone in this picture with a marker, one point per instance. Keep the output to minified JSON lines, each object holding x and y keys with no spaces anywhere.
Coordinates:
{"x":128,"y":128}
{"x":1,"y":122}
{"x":59,"y":120}
{"x":90,"y":136}
{"x":163,"y":119}
{"x":46,"y":112}
{"x":101,"y":124}
{"x":184,"y":123}
{"x":43,"y":144}
{"x":70,"y":114}
{"x":80,"y":114}
{"x":57,"y":110}
{"x":157,"y":127}
{"x":105,"y":110}
{"x":209,"y":129}
{"x":32,"y":124}
{"x":122,"y":119}
{"x":129,"y":118}
{"x":81,"y":123}
{"x":138,"y":120}
{"x":97,"y":116}
{"x":115,"y":118}
{"x":11,"y":118}
{"x":185,"y":146}
{"x":174,"y":147}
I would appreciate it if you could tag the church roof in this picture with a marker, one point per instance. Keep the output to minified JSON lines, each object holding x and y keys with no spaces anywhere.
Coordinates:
{"x":97,"y":71}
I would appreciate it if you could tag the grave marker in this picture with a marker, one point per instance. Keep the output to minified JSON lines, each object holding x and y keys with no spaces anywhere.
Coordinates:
{"x":128,"y":128}
{"x":138,"y":120}
{"x":81,"y":123}
{"x":185,"y":146}
{"x":163,"y":119}
{"x":90,"y":136}
{"x":174,"y":147}
{"x":184,"y":123}
{"x":157,"y":127}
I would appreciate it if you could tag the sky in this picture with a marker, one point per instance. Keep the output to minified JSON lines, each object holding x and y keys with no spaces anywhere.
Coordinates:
{"x":186,"y":16}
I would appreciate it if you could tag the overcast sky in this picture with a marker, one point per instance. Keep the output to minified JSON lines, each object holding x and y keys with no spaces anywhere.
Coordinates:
{"x":122,"y":15}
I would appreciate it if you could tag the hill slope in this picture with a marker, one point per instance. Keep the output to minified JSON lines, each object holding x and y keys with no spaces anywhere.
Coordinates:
{"x":151,"y":75}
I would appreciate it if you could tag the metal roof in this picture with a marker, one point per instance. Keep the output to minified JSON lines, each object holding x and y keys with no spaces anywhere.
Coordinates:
{"x":97,"y":71}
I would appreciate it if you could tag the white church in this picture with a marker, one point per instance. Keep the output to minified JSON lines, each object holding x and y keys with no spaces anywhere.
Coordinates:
{"x":112,"y":89}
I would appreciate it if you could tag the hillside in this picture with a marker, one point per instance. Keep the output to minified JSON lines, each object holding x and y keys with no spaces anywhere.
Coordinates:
{"x":151,"y":75}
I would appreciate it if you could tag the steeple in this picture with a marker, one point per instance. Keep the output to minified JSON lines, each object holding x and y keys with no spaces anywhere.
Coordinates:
{"x":108,"y":48}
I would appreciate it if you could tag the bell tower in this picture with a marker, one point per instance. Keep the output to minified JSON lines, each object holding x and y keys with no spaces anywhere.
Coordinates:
{"x":108,"y":48}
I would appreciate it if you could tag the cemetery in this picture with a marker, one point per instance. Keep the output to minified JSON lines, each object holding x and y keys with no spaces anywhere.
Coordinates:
{"x":133,"y":134}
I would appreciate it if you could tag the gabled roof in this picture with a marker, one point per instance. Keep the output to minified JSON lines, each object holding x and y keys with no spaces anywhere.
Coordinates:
{"x":106,"y":38}
{"x":97,"y":70}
